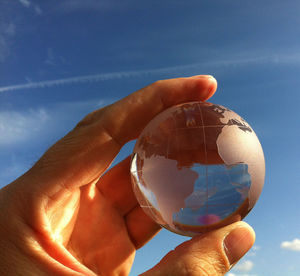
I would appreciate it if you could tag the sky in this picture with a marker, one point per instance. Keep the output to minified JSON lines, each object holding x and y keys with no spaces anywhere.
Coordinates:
{"x":59,"y":61}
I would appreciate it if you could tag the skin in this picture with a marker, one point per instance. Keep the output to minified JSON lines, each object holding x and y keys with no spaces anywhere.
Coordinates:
{"x":70,"y":215}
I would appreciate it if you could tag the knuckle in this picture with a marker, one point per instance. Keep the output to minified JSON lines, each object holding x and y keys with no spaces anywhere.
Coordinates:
{"x":200,"y":266}
{"x":158,"y":83}
{"x":191,"y":267}
{"x":90,"y":118}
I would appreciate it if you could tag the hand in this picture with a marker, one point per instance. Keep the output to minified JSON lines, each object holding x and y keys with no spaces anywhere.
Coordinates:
{"x":66,"y":217}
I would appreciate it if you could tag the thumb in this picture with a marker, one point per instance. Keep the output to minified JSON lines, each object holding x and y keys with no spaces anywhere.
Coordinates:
{"x":210,"y":254}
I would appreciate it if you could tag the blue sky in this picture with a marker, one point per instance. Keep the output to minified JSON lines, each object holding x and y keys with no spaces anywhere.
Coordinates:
{"x":60,"y":61}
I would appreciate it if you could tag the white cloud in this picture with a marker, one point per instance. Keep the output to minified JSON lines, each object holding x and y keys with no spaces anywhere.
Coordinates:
{"x":253,"y":251}
{"x":293,"y":245}
{"x":10,"y":29}
{"x":234,"y":274}
{"x":12,"y":169}
{"x":244,"y":266}
{"x":26,"y":134}
{"x":25,"y":3}
{"x":7,"y":32}
{"x":256,"y":247}
{"x":21,"y":127}
{"x":50,"y":60}
{"x":38,"y":10}
{"x":4,"y":49}
{"x":16,"y":126}
{"x":89,"y":5}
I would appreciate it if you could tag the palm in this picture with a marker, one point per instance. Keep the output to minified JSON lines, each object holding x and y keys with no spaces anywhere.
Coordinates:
{"x":106,"y":225}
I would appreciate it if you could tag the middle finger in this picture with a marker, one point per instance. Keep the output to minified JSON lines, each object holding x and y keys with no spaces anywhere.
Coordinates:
{"x":115,"y":185}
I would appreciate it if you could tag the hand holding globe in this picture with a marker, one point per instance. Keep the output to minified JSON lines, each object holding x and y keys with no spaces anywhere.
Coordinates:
{"x":71,"y":215}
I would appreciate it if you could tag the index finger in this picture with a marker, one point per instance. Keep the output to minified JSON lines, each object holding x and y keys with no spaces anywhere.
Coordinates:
{"x":125,"y":119}
{"x":86,"y":152}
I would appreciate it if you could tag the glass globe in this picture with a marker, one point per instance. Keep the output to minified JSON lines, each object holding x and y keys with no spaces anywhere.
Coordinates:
{"x":196,"y":167}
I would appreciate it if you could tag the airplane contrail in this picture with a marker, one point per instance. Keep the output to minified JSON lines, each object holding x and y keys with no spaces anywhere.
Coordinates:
{"x":275,"y":59}
{"x":94,"y":78}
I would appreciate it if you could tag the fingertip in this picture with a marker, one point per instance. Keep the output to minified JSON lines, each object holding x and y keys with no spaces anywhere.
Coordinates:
{"x":206,"y":86}
{"x":238,"y":242}
{"x":212,"y":87}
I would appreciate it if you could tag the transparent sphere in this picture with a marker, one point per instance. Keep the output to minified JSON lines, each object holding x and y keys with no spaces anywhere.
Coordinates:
{"x":196,"y":167}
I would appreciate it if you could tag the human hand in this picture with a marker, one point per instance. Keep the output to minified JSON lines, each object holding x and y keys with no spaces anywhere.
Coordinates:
{"x":68,"y":216}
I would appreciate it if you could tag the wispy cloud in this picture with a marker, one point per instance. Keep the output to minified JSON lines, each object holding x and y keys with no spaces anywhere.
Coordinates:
{"x":9,"y":29}
{"x":244,"y":266}
{"x":253,"y":251}
{"x":89,"y":5}
{"x":25,"y":3}
{"x":293,"y":245}
{"x":38,"y":10}
{"x":50,"y":60}
{"x":28,"y":4}
{"x":7,"y":32}
{"x":272,"y":59}
{"x":234,"y":274}
{"x":13,"y":168}
{"x":25,"y":134}
{"x":92,"y":78}
{"x":256,"y":247}
{"x":19,"y":127}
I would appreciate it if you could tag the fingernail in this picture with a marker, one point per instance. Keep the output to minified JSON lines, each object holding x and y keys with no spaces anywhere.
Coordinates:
{"x":203,"y":77}
{"x":238,"y":242}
